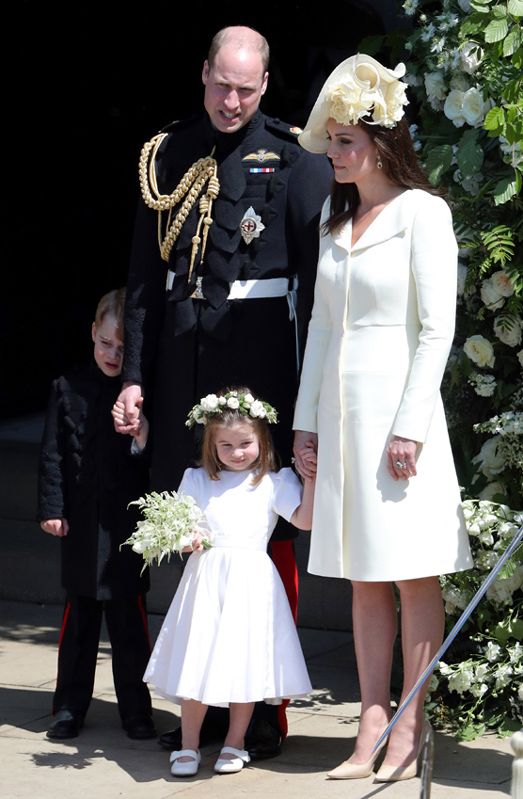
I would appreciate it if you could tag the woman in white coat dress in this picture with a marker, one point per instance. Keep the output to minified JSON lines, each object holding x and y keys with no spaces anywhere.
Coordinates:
{"x":387,"y":505}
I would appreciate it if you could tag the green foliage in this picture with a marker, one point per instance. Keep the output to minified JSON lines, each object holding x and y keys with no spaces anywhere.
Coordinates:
{"x":465,"y":69}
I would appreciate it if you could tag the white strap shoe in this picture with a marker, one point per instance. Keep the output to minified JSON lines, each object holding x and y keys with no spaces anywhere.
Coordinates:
{"x":185,"y":768}
{"x":231,"y":765}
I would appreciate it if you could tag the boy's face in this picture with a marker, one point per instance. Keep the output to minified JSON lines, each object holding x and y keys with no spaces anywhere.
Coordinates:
{"x":108,"y":346}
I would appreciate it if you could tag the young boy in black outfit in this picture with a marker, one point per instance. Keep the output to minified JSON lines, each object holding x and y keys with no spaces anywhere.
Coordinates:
{"x":88,"y":474}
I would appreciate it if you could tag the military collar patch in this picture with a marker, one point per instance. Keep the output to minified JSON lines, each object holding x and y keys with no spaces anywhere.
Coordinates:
{"x":261,"y":156}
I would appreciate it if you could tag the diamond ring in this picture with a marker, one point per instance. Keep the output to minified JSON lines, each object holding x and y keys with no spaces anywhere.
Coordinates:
{"x":400,"y":464}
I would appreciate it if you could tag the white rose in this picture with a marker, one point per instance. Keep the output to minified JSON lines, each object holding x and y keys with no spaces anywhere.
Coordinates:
{"x":519,"y":356}
{"x":474,"y":107}
{"x":249,"y":398}
{"x":222,"y":401}
{"x":502,"y":283}
{"x":470,"y":56}
{"x":209,"y":403}
{"x":233,"y":403}
{"x":479,"y":350}
{"x":453,"y":108}
{"x":508,"y":330}
{"x":435,"y":86}
{"x":490,"y":490}
{"x":257,"y":410}
{"x":489,"y":459}
{"x":459,"y":82}
{"x":491,"y":296}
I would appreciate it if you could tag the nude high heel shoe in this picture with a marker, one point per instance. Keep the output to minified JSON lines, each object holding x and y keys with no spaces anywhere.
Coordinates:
{"x":388,"y":773}
{"x":355,"y":771}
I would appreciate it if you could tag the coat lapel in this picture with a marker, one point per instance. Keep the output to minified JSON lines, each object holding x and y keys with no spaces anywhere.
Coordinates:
{"x":392,"y":221}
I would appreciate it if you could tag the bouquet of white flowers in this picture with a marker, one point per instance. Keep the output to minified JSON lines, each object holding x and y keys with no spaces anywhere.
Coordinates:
{"x":172,"y":522}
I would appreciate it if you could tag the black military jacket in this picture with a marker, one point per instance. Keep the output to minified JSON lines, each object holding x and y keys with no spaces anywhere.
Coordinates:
{"x":182,"y":348}
{"x":88,"y":475}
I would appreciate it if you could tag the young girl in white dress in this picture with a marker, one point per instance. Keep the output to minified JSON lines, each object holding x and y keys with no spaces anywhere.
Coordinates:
{"x":229,"y":638}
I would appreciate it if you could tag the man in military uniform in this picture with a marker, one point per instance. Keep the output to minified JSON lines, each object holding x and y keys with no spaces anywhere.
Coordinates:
{"x":221,"y":279}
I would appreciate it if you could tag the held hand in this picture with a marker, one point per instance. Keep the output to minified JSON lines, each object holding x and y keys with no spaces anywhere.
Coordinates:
{"x":128,"y":407}
{"x":57,"y":527}
{"x":305,"y":446}
{"x":401,"y":457}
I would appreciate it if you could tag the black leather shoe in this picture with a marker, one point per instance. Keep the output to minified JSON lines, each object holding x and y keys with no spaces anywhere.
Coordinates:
{"x":65,"y":725}
{"x":263,"y":741}
{"x":172,"y":739}
{"x":139,"y":728}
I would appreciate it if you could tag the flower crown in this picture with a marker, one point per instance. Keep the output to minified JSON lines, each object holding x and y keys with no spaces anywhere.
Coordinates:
{"x":213,"y":404}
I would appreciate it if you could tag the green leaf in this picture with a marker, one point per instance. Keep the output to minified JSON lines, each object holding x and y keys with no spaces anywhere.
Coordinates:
{"x":495,"y":121}
{"x":512,"y":42}
{"x":496,"y":30}
{"x":480,"y":5}
{"x":515,"y":7}
{"x":470,"y":154}
{"x":505,"y":189}
{"x":438,"y":161}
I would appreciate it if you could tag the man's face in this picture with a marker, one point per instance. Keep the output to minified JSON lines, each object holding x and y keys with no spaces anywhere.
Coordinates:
{"x":234,"y":86}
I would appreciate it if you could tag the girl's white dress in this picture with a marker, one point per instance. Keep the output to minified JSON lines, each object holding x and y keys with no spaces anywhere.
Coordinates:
{"x":229,"y":635}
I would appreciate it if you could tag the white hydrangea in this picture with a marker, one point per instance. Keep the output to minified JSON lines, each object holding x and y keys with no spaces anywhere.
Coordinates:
{"x":484,"y":385}
{"x":492,"y":651}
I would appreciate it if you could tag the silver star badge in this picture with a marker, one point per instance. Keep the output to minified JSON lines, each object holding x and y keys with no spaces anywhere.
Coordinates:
{"x":251,"y":225}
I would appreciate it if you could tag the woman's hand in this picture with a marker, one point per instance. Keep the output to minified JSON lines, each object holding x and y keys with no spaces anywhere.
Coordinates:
{"x":401,"y":457}
{"x":305,"y":449}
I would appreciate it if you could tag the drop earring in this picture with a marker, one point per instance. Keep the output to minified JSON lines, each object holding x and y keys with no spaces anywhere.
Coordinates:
{"x":379,"y":163}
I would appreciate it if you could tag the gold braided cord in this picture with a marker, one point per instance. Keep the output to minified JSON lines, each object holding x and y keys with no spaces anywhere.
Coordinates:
{"x":190,"y":187}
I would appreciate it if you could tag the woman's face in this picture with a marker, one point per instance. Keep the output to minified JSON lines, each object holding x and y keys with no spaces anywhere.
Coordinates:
{"x":352,"y":152}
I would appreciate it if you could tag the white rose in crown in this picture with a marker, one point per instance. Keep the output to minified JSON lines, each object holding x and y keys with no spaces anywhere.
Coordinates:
{"x":490,"y":295}
{"x":233,"y":403}
{"x":470,"y":56}
{"x":257,"y":410}
{"x":210,"y":402}
{"x":509,"y":329}
{"x":249,"y":398}
{"x":479,"y":350}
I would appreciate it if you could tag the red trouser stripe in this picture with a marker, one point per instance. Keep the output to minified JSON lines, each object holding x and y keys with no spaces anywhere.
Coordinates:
{"x":67,"y":611}
{"x":145,"y":621}
{"x":283,"y":557}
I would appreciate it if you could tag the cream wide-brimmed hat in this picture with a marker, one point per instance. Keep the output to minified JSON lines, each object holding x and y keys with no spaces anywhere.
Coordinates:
{"x":359,"y":88}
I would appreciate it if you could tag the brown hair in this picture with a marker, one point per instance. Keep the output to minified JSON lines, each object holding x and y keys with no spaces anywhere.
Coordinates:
{"x":242,"y":36}
{"x":267,"y":460}
{"x":112,"y":303}
{"x":400,"y":164}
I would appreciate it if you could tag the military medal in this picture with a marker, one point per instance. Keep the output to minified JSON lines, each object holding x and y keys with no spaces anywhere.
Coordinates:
{"x":251,"y":225}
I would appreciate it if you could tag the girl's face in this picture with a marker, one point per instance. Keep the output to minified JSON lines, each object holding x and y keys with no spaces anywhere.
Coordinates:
{"x":237,"y":446}
{"x":352,"y":152}
{"x":108,"y":346}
